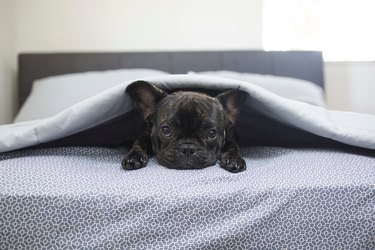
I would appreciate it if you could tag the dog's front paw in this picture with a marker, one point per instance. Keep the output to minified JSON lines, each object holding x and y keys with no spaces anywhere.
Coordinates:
{"x":135,"y":159}
{"x":232,"y":162}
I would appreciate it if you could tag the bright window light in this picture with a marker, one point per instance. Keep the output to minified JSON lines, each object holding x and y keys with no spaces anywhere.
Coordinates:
{"x":343,"y":29}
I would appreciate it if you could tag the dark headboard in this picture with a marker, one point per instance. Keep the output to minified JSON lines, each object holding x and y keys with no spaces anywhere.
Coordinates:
{"x":307,"y":65}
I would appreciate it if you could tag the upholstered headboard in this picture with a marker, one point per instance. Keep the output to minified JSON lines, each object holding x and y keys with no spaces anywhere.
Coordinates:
{"x":306,"y":65}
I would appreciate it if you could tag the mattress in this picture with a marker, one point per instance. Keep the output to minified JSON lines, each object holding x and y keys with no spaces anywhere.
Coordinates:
{"x":288,"y":198}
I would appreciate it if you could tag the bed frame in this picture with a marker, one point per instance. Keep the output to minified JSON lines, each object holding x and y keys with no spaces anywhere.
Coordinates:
{"x":306,"y":65}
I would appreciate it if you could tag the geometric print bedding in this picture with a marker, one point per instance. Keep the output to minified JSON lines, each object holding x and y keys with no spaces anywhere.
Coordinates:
{"x":288,"y":198}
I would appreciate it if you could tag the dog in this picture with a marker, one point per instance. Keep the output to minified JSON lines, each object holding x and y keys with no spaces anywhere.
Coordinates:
{"x":186,"y":129}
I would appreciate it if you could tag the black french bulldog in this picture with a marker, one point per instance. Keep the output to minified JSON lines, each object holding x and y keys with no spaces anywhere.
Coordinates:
{"x":186,"y":130}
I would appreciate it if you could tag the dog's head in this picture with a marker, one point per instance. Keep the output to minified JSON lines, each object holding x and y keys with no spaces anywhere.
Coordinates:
{"x":187,"y":129}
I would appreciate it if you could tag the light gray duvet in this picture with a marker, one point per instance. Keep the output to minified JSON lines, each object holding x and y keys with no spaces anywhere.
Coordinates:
{"x":349,"y":128}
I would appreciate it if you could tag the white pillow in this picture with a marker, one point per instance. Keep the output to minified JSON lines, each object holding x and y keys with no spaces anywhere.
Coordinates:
{"x":52,"y":95}
{"x":292,"y":88}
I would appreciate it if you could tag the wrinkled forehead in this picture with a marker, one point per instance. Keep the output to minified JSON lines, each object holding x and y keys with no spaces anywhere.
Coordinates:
{"x":190,"y":107}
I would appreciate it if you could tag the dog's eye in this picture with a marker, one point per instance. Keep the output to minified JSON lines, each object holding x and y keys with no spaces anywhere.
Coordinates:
{"x":166,"y":130}
{"x":212,"y":134}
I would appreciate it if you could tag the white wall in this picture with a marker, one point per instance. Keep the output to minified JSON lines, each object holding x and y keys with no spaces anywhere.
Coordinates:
{"x":120,"y":25}
{"x":123,"y":25}
{"x":141,"y":25}
{"x":351,"y":86}
{"x":7,"y":60}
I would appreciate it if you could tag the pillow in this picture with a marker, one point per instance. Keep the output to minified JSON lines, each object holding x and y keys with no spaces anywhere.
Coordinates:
{"x":52,"y":95}
{"x":292,"y":88}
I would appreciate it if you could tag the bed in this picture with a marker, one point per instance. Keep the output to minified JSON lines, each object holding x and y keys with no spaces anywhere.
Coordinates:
{"x":309,"y":182}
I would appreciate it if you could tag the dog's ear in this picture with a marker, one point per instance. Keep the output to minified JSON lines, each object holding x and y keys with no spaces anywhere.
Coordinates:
{"x":146,"y":96}
{"x":232,"y":102}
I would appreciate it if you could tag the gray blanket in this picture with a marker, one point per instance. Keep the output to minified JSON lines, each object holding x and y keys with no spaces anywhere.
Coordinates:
{"x":345,"y":127}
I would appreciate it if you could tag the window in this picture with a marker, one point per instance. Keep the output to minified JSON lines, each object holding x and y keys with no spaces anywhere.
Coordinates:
{"x":343,"y":29}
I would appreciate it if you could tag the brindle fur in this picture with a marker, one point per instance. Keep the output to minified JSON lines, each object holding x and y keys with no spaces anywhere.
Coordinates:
{"x":190,"y":116}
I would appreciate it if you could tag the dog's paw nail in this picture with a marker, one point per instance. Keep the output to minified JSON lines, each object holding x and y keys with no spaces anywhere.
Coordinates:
{"x":134,"y":160}
{"x":234,"y":165}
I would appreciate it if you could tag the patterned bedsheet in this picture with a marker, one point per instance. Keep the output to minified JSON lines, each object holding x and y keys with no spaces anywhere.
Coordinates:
{"x":288,"y":198}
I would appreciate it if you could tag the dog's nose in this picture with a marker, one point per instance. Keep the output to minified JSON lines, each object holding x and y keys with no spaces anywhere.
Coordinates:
{"x":188,"y":149}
